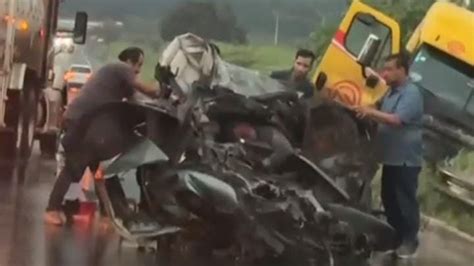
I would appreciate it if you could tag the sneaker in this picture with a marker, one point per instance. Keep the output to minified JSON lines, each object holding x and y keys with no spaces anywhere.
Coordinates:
{"x":54,"y":218}
{"x":407,"y":250}
{"x":393,"y":249}
{"x":388,"y":252}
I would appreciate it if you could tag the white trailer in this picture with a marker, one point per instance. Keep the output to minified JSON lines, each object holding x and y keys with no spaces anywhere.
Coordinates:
{"x":27,"y":32}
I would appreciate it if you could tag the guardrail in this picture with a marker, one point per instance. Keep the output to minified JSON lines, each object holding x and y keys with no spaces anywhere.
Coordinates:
{"x":456,"y":186}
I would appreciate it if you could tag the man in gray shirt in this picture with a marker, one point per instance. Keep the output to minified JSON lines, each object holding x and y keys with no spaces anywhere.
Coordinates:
{"x":112,"y":83}
{"x":400,"y":150}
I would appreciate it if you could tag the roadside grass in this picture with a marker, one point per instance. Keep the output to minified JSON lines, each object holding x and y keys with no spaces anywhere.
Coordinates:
{"x":261,"y":57}
{"x":463,"y":165}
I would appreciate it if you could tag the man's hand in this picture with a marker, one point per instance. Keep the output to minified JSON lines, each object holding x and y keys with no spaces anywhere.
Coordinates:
{"x":363,"y":111}
{"x":153,"y":91}
{"x":376,"y":115}
{"x":163,"y":74}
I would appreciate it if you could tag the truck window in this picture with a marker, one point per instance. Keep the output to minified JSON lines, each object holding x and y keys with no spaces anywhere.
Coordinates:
{"x":358,"y":33}
{"x":443,"y":75}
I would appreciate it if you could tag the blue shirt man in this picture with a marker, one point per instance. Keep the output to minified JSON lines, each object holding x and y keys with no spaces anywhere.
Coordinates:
{"x":399,"y":142}
{"x":402,"y":145}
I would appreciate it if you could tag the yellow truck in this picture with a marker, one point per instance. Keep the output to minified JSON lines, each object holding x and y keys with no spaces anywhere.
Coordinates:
{"x":442,"y":49}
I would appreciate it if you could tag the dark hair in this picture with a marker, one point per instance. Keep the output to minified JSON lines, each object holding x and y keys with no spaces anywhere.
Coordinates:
{"x":401,"y":59}
{"x":306,"y":54}
{"x":131,"y":53}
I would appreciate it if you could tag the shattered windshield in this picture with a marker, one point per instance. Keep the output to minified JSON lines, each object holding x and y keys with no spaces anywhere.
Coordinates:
{"x":248,"y":82}
{"x":443,"y":75}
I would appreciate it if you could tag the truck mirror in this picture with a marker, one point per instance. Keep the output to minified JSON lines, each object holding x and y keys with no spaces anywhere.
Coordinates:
{"x":321,"y":81}
{"x":372,"y":81}
{"x":80,"y":28}
{"x":369,"y":50}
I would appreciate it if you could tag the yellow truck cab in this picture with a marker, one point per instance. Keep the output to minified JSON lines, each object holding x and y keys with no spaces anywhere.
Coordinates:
{"x":348,"y":70}
{"x":442,"y":49}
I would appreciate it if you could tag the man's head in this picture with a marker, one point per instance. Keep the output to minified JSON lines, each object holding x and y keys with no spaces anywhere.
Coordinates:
{"x":304,"y":60}
{"x":134,"y":57}
{"x":396,"y":69}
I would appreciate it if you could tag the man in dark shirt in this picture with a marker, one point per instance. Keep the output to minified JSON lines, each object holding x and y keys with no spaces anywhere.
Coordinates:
{"x":112,"y":83}
{"x":297,"y":76}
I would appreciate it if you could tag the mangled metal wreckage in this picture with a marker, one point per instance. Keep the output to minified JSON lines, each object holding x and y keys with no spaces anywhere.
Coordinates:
{"x":229,"y":168}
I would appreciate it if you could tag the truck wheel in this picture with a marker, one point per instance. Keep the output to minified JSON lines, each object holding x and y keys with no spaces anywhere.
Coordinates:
{"x":48,"y":145}
{"x":27,"y":118}
{"x":26,"y":124}
{"x":16,"y":140}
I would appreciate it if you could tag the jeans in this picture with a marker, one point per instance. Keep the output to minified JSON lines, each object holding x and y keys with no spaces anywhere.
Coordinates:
{"x":86,"y":143}
{"x":73,"y":164}
{"x":399,"y":186}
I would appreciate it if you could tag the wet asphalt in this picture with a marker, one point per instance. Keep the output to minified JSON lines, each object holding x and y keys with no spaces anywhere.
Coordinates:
{"x":26,"y":241}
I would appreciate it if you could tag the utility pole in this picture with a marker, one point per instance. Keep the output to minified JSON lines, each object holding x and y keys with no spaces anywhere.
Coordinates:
{"x":277,"y":26}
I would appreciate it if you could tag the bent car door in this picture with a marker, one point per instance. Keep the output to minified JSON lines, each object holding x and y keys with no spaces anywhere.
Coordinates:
{"x":348,"y":70}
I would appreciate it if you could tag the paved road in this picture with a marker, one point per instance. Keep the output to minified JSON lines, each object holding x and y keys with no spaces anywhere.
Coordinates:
{"x":26,"y":241}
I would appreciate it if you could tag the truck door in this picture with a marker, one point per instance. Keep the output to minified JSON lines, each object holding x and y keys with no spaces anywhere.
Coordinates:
{"x":348,"y":69}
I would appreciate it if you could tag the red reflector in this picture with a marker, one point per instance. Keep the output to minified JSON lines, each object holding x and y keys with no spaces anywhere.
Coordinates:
{"x":87,"y":208}
{"x":340,"y":37}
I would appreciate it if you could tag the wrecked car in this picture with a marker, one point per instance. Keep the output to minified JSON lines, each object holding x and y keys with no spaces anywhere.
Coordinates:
{"x":212,"y":193}
{"x":325,"y":132}
{"x":207,"y":183}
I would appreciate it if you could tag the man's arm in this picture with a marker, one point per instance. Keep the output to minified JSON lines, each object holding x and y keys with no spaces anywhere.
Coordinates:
{"x":379,"y":116}
{"x":409,"y":107}
{"x":150,"y":90}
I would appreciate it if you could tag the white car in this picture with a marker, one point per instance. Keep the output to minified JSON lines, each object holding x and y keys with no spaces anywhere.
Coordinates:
{"x":74,"y":79}
{"x":78,"y":74}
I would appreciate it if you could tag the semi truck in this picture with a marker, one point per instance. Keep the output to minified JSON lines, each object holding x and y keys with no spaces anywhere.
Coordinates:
{"x":442,"y":66}
{"x":27,"y":32}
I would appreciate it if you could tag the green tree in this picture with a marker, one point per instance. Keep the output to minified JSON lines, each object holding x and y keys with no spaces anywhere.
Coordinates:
{"x":321,"y":39}
{"x":204,"y":20}
{"x":408,"y":13}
